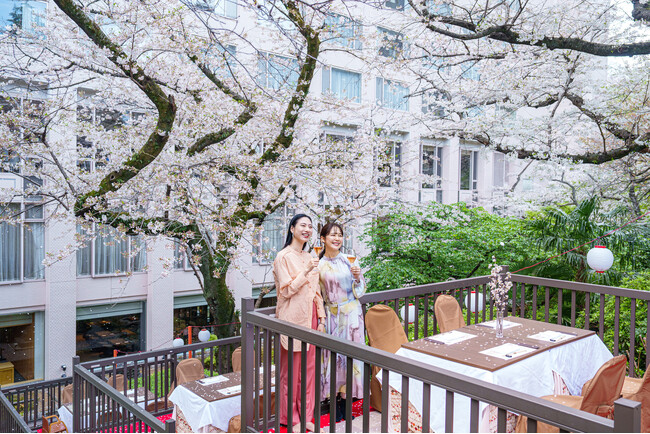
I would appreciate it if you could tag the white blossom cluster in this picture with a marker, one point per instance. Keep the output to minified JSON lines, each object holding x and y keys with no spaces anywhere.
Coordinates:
{"x":499,"y":285}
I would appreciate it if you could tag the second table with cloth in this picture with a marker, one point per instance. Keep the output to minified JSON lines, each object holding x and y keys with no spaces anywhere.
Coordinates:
{"x":575,"y":355}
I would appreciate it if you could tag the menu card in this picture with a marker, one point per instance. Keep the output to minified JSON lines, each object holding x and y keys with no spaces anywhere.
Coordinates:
{"x":450,"y":338}
{"x":507,"y":351}
{"x":212,"y":380}
{"x":232,"y":390}
{"x":493,"y":324}
{"x":552,"y":336}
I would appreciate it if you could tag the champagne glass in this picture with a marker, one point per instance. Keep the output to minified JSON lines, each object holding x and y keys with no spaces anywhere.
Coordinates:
{"x":352,"y":256}
{"x":318,"y":247}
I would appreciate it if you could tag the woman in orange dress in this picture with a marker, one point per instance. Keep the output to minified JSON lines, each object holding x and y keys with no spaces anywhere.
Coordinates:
{"x":300,"y":302}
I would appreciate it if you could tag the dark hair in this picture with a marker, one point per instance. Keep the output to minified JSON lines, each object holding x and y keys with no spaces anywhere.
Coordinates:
{"x":326,"y":231}
{"x":292,"y":224}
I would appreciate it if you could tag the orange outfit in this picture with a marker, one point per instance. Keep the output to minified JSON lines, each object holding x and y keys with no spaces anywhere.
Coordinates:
{"x":299,"y":302}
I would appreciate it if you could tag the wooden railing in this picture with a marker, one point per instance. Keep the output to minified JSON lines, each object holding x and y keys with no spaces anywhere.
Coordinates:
{"x":10,"y":419}
{"x":35,"y":400}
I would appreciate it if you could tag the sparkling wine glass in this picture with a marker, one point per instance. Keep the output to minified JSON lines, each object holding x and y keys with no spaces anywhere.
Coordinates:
{"x":352,"y":256}
{"x":318,"y":247}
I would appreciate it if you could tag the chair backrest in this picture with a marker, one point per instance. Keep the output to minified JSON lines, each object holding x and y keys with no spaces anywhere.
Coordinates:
{"x":66,"y":394}
{"x":643,"y":396}
{"x":236,"y":360}
{"x":116,"y":382}
{"x":189,"y":370}
{"x":605,"y":387}
{"x":448,"y":313}
{"x":384,"y":329}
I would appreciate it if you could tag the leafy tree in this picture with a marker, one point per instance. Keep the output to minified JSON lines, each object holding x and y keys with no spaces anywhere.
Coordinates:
{"x":413,"y":246}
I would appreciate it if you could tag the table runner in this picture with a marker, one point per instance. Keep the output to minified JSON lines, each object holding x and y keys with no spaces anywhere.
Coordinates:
{"x":468,"y":352}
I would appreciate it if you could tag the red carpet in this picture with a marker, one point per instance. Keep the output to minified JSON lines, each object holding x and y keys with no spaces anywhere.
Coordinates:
{"x":357,"y":410}
{"x":139,"y":427}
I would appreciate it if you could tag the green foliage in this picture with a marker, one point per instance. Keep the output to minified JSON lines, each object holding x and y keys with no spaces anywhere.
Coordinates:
{"x":430,"y":244}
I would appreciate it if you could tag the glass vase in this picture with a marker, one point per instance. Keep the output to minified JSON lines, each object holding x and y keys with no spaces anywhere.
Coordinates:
{"x":499,"y":326}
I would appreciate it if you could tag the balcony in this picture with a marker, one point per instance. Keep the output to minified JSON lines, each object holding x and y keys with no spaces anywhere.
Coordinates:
{"x":545,"y":300}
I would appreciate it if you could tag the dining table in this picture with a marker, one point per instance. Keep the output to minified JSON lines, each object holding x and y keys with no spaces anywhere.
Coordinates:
{"x":211,"y":402}
{"x":529,"y":358}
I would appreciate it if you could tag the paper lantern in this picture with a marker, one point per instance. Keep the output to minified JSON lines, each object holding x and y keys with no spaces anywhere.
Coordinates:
{"x":204,"y":335}
{"x":470,"y":302}
{"x":178,"y":342}
{"x":600,"y":259}
{"x":411,"y":312}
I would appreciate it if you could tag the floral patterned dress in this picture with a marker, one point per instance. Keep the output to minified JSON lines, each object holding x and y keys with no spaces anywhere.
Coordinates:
{"x":344,"y":320}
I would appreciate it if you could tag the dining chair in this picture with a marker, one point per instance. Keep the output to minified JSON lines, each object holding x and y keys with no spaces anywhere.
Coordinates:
{"x":116,"y":382}
{"x":598,"y":398}
{"x":66,"y":394}
{"x":448,"y":313}
{"x":187,"y":370}
{"x":385,"y":333}
{"x":638,"y":389}
{"x":236,"y":360}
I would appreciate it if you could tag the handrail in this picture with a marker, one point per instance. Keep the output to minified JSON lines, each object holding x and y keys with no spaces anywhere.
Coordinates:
{"x":389,"y":294}
{"x":518,"y":402}
{"x":122,"y":400}
{"x":14,"y":416}
{"x":580,"y":286}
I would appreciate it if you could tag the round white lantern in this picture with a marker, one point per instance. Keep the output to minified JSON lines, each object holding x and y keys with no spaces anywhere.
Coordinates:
{"x":178,"y":342}
{"x":411,"y":313}
{"x":600,"y":259}
{"x":470,"y":302}
{"x":204,"y":335}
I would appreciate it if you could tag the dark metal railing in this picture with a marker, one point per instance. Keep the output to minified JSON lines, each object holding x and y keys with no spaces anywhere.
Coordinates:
{"x":98,"y":407}
{"x":152,"y":375}
{"x":10,"y":419}
{"x":38,"y":399}
{"x":261,"y":348}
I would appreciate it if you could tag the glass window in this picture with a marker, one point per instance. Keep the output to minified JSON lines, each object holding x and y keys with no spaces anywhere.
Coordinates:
{"x":193,"y":311}
{"x":432,"y":165}
{"x":343,"y":31}
{"x":395,"y":4}
{"x":392,"y":94}
{"x":277,"y":72}
{"x":468,"y":170}
{"x":110,"y":253}
{"x":342,"y":84}
{"x":392,"y":43}
{"x":104,"y":328}
{"x":225,"y":8}
{"x":21,"y":348}
{"x":271,"y":238}
{"x":389,"y":164}
{"x":432,"y":102}
{"x":22,"y":242}
{"x":436,"y":7}
{"x":221,"y":59}
{"x":30,"y":16}
{"x":470,"y":72}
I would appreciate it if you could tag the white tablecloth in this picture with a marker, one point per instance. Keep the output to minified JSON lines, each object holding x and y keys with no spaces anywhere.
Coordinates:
{"x":575,"y":361}
{"x":66,"y":416}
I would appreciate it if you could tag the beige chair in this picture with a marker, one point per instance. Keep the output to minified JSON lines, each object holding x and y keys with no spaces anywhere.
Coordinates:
{"x":188,"y":370}
{"x":448,"y":313}
{"x":638,"y":389}
{"x":116,"y":382}
{"x":236,"y":360}
{"x":385,"y":333}
{"x":66,"y":394}
{"x":598,"y":398}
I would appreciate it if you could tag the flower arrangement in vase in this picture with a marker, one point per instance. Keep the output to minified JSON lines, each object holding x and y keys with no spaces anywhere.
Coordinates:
{"x":499,"y":287}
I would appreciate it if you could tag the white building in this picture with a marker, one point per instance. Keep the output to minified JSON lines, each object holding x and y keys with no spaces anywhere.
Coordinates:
{"x":87,"y":304}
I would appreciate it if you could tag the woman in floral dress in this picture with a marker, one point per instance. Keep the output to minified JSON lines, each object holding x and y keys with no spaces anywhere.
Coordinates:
{"x":341,"y":285}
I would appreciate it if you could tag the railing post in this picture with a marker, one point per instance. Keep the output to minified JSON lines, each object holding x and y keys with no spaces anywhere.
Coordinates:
{"x":627,"y":415}
{"x":170,"y":426}
{"x":76,"y":396}
{"x":247,"y":357}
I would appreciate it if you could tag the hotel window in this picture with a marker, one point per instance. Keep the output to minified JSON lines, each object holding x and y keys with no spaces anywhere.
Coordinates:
{"x":22,"y":245}
{"x":102,"y":329}
{"x":432,"y":166}
{"x":29,"y":16}
{"x":190,"y":310}
{"x":470,"y":72}
{"x":395,"y":4}
{"x":392,"y":43}
{"x":277,"y":72}
{"x":270,"y":240}
{"x":342,"y":84}
{"x":392,"y":94}
{"x":221,"y":59}
{"x":225,"y":8}
{"x":437,"y":7}
{"x":389,"y":164}
{"x":110,"y":253}
{"x":343,"y":31}
{"x":21,"y":348}
{"x":468,"y":169}
{"x":432,"y":102}
{"x":273,"y":14}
